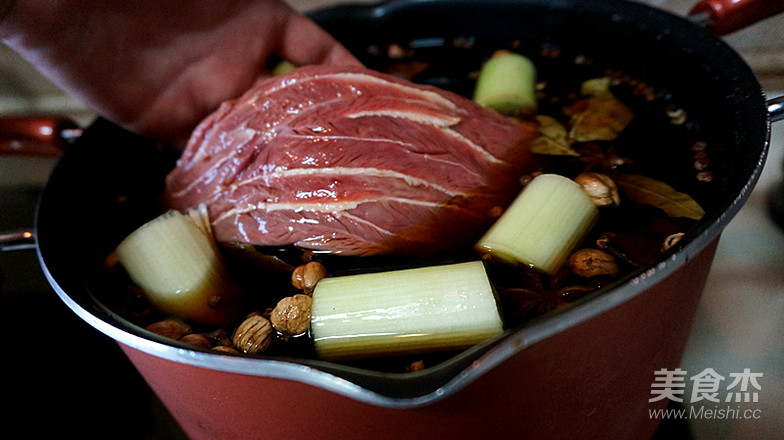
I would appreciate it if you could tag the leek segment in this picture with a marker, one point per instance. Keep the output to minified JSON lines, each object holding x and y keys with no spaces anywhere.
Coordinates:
{"x":283,"y":68}
{"x":175,"y":261}
{"x":406,"y":311}
{"x":543,"y":224}
{"x":507,"y":84}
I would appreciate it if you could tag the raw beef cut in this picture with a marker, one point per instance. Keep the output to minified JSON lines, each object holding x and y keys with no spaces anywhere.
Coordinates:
{"x":351,"y":161}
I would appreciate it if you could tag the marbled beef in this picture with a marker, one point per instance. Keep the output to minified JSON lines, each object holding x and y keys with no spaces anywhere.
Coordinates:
{"x":351,"y":161}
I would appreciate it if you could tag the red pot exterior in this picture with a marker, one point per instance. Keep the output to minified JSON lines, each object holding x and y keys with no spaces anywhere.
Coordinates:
{"x":592,"y":380}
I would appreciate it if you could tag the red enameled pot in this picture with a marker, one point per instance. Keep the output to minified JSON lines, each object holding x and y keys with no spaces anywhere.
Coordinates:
{"x":584,"y":371}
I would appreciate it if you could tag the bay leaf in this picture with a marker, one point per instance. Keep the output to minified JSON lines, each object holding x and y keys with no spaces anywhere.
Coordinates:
{"x":603,"y":119}
{"x":648,"y":191}
{"x":597,"y":87}
{"x":554,"y":139}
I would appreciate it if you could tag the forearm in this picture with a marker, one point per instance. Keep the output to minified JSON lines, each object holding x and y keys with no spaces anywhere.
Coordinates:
{"x":31,"y":26}
{"x":5,"y":7}
{"x":158,"y":67}
{"x":47,"y":34}
{"x":121,"y":58}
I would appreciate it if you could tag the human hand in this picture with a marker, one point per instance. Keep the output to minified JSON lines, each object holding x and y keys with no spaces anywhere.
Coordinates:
{"x":158,"y":68}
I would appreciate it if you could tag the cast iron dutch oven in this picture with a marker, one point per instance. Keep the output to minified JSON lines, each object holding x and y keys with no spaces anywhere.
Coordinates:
{"x":584,"y":371}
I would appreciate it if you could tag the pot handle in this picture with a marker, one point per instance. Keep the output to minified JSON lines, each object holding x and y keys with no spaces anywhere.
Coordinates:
{"x":776,"y":108}
{"x":36,"y":136}
{"x":725,"y":16}
{"x":17,"y":240}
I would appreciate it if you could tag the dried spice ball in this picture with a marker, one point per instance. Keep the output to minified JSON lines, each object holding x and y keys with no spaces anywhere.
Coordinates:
{"x":291,"y":316}
{"x":170,"y":328}
{"x":306,"y":276}
{"x":255,"y":335}
{"x":601,"y":188}
{"x":197,"y":340}
{"x":225,"y":349}
{"x":593,"y":262}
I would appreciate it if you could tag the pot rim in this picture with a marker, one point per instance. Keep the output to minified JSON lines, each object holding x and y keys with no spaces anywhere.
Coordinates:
{"x":477,"y":361}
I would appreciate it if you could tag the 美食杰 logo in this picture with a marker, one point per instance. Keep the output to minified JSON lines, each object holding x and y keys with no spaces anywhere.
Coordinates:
{"x":730,"y":396}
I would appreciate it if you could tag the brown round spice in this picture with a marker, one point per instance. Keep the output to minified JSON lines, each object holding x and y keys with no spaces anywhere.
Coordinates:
{"x":255,"y":335}
{"x":170,"y":328}
{"x":306,"y":276}
{"x":593,"y":262}
{"x":291,"y":316}
{"x":196,"y":340}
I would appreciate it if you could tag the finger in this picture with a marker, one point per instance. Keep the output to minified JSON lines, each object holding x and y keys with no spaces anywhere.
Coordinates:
{"x":304,"y":42}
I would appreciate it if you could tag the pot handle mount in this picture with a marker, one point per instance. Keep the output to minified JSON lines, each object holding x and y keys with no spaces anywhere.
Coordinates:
{"x":17,"y":240}
{"x":776,"y":109}
{"x":36,"y":137}
{"x":726,"y":16}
